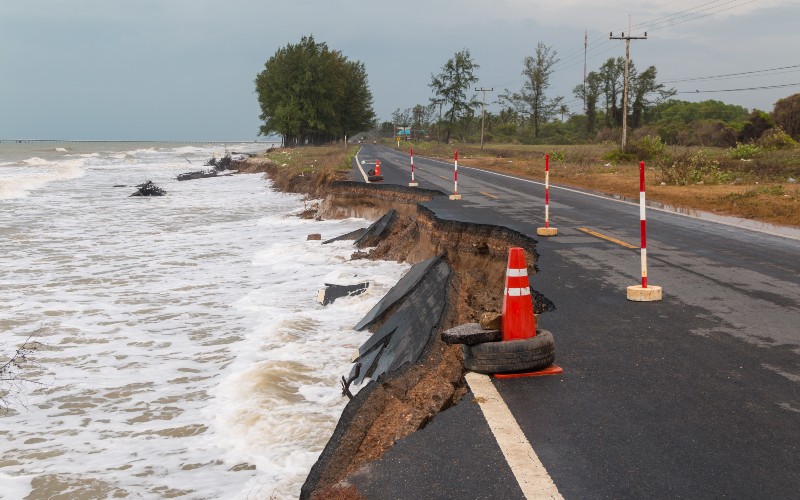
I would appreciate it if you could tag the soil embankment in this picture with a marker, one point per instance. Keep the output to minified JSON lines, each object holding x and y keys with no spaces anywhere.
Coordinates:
{"x":404,"y":400}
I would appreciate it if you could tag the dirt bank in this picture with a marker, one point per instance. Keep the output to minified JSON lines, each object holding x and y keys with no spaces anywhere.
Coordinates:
{"x":403,"y":401}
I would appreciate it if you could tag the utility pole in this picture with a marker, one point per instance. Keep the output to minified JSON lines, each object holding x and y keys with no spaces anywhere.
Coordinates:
{"x":585,"y":45}
{"x":625,"y":86}
{"x":483,"y":110}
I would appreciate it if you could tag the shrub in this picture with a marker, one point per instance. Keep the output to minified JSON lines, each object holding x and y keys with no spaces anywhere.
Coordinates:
{"x":690,"y":168}
{"x":648,"y":148}
{"x":619,"y":156}
{"x":776,"y":138}
{"x":559,"y":155}
{"x":713,"y":133}
{"x":745,"y":151}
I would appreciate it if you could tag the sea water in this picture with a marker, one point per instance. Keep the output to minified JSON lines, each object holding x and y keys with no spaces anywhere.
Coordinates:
{"x":181,"y":351}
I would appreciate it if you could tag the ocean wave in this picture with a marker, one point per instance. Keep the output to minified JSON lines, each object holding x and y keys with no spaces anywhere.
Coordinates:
{"x":22,"y":181}
{"x":36,"y":161}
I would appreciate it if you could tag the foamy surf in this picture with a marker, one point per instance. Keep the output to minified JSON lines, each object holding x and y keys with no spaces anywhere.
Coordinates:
{"x":19,"y":179}
{"x":186,"y":354}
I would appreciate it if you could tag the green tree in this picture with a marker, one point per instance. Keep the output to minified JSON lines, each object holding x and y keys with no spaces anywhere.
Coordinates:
{"x":590,"y":94}
{"x":450,"y":88}
{"x":354,"y":110}
{"x":644,"y":93}
{"x":310,"y":94}
{"x":532,"y":98}
{"x":708,"y":123}
{"x":612,"y":74}
{"x":786,"y":114}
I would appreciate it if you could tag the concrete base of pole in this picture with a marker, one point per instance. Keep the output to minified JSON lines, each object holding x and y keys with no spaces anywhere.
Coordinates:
{"x":638,"y":294}
{"x":455,"y":196}
{"x":413,"y":184}
{"x":546,"y":231}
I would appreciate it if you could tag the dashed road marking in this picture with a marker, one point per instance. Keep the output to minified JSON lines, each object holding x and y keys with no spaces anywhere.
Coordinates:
{"x":607,"y":238}
{"x":487,"y":194}
{"x":533,"y":479}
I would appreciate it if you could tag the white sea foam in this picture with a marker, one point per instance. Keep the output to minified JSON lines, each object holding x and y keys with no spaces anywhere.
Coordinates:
{"x":185,"y":349}
{"x":34,"y":173}
{"x":36,"y":161}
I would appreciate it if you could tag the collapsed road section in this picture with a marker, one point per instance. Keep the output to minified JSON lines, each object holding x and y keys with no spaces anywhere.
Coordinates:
{"x":406,"y":373}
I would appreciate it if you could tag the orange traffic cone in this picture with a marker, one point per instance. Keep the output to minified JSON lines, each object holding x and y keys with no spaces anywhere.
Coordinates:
{"x":377,"y":167}
{"x":518,"y":320}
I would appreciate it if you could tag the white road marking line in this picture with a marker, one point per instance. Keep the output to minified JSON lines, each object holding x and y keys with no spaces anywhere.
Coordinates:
{"x":772,"y":231}
{"x":358,"y":163}
{"x":531,"y":475}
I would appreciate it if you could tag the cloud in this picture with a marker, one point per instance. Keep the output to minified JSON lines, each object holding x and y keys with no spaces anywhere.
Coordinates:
{"x":185,"y":68}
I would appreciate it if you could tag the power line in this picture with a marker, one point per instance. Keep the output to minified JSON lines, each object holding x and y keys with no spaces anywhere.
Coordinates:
{"x":676,"y":18}
{"x":592,"y":49}
{"x":673,"y":20}
{"x":740,"y":90}
{"x":744,"y":74}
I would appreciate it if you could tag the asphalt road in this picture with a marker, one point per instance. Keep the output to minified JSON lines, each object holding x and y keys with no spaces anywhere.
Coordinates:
{"x":697,"y":395}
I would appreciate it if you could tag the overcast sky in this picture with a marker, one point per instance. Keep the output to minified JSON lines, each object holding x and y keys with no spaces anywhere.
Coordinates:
{"x":184,"y":69}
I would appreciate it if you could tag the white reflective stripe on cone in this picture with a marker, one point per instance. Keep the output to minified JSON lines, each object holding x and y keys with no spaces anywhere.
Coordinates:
{"x":516,"y":273}
{"x":516,"y":292}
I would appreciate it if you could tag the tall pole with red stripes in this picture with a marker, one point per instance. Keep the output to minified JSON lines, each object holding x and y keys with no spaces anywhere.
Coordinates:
{"x":643,"y":224}
{"x":413,"y":183}
{"x":643,"y":292}
{"x":455,"y":195}
{"x":546,"y":230}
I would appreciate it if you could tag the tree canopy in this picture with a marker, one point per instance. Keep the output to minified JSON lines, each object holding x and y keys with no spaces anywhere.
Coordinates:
{"x":311,"y":94}
{"x":451,"y":86}
{"x":787,"y":115}
{"x":532,"y":100}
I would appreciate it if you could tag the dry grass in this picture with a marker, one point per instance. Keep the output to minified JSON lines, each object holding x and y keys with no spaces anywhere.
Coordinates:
{"x":313,"y":159}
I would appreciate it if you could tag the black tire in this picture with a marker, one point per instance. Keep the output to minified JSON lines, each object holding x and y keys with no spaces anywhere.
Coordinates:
{"x":530,"y":354}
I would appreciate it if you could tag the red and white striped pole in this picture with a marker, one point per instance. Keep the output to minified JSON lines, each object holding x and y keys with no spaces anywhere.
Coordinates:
{"x":643,"y":293}
{"x":413,"y":183}
{"x":455,"y":195}
{"x":546,"y":230}
{"x":643,"y":223}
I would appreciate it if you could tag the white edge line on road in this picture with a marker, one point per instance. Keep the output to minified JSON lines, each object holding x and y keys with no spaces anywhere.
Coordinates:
{"x":531,"y":475}
{"x":649,"y":207}
{"x":358,"y":164}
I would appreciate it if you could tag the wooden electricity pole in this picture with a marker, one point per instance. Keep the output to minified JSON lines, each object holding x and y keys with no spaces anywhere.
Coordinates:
{"x":625,"y":85}
{"x":483,"y":110}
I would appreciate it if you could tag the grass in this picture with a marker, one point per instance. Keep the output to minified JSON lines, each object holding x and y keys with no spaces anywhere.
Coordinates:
{"x":311,"y":167}
{"x":707,"y":179}
{"x":310,"y":159}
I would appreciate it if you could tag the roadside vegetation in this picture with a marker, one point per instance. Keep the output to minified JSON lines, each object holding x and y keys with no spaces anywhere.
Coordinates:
{"x":308,"y":169}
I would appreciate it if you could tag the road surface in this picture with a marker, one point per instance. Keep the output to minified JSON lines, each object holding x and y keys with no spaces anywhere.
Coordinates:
{"x":697,"y":395}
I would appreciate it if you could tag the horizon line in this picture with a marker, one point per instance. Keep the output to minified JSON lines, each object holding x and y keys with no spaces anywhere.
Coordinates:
{"x":157,"y":141}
